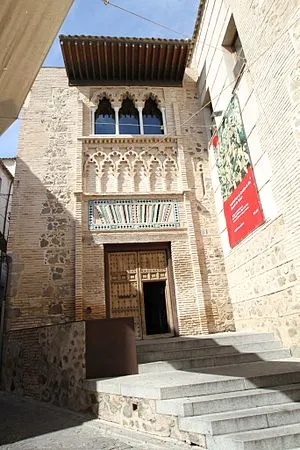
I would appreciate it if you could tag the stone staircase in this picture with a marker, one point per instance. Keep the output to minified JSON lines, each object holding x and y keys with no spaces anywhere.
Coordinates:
{"x":233,"y":391}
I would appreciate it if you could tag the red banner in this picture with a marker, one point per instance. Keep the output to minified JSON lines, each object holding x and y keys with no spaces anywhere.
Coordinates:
{"x":242,"y":209}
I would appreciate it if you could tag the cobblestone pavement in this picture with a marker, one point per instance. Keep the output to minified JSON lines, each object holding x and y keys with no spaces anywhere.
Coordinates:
{"x":26,"y":424}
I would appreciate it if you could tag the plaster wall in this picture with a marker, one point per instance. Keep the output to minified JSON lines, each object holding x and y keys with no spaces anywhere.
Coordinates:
{"x":6,"y":191}
{"x":27,"y":31}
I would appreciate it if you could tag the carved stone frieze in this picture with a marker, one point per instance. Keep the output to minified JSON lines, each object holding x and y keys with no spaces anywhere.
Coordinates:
{"x":116,"y":96}
{"x":130,"y":169}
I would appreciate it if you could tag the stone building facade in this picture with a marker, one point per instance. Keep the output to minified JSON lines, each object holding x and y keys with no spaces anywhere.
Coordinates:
{"x":113,"y":220}
{"x":251,"y":50}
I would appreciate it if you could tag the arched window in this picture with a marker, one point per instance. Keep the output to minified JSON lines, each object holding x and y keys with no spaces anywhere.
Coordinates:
{"x":105,"y":118}
{"x":152,"y":118}
{"x":129,"y":118}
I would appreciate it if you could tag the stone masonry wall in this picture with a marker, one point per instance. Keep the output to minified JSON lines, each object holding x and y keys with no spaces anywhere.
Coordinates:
{"x":140,"y":414}
{"x":263,"y":288}
{"x":47,"y":363}
{"x":263,"y":269}
{"x":42,"y":230}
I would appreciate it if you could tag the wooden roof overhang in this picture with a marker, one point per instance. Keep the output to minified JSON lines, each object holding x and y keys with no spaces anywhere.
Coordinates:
{"x":99,"y":60}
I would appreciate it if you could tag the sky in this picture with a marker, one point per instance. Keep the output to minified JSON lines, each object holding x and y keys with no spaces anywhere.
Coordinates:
{"x":92,"y":17}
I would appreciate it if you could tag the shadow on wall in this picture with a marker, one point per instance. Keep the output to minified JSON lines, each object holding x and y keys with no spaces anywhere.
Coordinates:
{"x":41,"y":284}
{"x":218,"y":309}
{"x":44,"y":348}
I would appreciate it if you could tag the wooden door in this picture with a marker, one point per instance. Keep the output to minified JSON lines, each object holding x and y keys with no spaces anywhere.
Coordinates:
{"x":124,"y":296}
{"x":127,"y":271}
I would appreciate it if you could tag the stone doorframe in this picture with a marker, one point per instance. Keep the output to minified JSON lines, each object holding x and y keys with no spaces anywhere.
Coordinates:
{"x":164,"y":246}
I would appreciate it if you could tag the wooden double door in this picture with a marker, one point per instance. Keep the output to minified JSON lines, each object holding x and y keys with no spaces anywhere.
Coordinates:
{"x":139,"y":286}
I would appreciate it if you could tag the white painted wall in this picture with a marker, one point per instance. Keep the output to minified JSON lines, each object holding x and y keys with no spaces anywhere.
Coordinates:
{"x":5,"y":181}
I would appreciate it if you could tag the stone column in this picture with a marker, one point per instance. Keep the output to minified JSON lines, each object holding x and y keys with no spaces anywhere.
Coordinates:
{"x":140,"y":109}
{"x":116,"y":109}
{"x":163,"y":112}
{"x":93,"y":110}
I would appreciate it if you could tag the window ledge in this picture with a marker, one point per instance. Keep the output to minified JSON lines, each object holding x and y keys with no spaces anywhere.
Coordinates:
{"x":95,"y":138}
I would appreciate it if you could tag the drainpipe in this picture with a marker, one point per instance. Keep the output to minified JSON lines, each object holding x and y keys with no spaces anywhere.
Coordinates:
{"x":3,"y":302}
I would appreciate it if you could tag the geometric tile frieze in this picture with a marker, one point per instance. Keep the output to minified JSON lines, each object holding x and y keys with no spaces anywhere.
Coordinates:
{"x":132,"y":214}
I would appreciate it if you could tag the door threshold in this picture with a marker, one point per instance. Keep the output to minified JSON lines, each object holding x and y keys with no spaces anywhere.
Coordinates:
{"x":158,"y":336}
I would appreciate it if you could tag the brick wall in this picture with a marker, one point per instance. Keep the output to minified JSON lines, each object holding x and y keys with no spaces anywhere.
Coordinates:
{"x":57,"y":271}
{"x":200,"y":283}
{"x":42,"y":227}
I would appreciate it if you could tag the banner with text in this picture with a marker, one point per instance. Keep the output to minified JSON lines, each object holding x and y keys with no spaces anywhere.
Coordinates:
{"x":242,"y":208}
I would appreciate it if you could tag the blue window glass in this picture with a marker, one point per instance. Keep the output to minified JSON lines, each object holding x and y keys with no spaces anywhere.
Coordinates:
{"x":152,"y":118}
{"x":129,"y":122}
{"x":105,"y":118}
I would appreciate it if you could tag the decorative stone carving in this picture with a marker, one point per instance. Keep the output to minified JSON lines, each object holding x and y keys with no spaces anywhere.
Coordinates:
{"x":116,"y":96}
{"x":128,"y":169}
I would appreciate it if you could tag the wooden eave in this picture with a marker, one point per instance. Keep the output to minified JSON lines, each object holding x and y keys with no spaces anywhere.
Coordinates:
{"x":100,"y":60}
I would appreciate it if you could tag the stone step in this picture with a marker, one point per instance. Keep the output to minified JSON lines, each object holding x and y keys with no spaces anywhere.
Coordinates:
{"x":176,"y":343}
{"x":228,"y":401}
{"x":276,"y":438}
{"x":176,"y":384}
{"x":163,"y":385}
{"x":242,"y":420}
{"x":211,"y":350}
{"x":191,"y":363}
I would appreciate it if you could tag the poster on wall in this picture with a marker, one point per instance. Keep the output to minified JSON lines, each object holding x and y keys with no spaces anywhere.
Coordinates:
{"x":242,"y":207}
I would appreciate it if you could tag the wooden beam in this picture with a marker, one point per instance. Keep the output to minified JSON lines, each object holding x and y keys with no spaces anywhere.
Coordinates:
{"x":147,"y":51}
{"x":160,"y":62}
{"x":132,"y":62}
{"x":140,"y":61}
{"x":174,"y":62}
{"x":120,"y":61}
{"x":153,"y":62}
{"x":92,"y":60}
{"x":83,"y":48}
{"x":71,"y":59}
{"x":181,"y":59}
{"x":78,"y":60}
{"x":126,"y":61}
{"x":167,"y":67}
{"x":106,"y":60}
{"x":112,"y":58}
{"x":99,"y":60}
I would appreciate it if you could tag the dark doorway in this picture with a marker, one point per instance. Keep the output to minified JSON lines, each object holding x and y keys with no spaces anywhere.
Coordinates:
{"x":155,"y":307}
